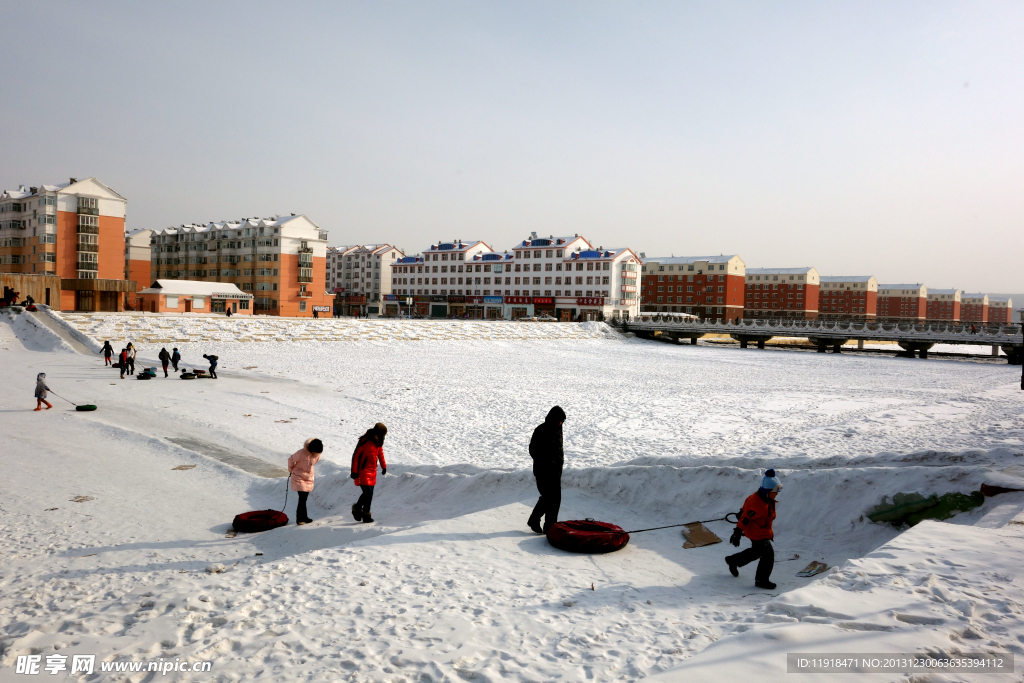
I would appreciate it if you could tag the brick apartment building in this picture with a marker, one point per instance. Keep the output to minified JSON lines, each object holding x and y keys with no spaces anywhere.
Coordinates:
{"x":359,"y":276}
{"x":974,"y":307}
{"x":281,"y":261}
{"x":74,"y":231}
{"x":848,"y":297}
{"x":944,"y":305}
{"x":902,"y":302}
{"x":137,"y":264}
{"x":781,"y":293}
{"x":705,"y":286}
{"x":1000,"y":310}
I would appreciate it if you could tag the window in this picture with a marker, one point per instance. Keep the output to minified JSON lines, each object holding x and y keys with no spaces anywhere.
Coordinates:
{"x":172,"y":302}
{"x":302,"y":307}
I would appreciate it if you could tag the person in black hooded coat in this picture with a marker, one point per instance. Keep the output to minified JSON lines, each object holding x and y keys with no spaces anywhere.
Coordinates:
{"x":548,"y":460}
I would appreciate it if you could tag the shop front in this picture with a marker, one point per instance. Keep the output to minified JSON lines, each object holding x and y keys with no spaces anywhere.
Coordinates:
{"x":517,"y":307}
{"x":492,"y":307}
{"x":421,"y":306}
{"x":544,"y":305}
{"x":396,"y":306}
{"x":355,"y":305}
{"x":438,"y":306}
{"x":456,"y":306}
{"x":475,"y":307}
{"x":590,"y":308}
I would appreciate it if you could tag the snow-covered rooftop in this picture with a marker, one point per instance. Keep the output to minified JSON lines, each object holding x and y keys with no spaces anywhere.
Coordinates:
{"x":688,"y":260}
{"x":913,"y":286}
{"x":778,"y":271}
{"x":196,"y":288}
{"x":846,"y":278}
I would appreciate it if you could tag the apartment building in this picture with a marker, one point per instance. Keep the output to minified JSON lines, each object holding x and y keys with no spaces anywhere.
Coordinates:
{"x":848,"y":297}
{"x":1000,"y":310}
{"x":74,"y":231}
{"x":436,"y":283}
{"x":902,"y":302}
{"x":705,"y":286}
{"x":781,"y":293}
{"x":944,"y":305}
{"x":281,"y":261}
{"x":360,"y":276}
{"x":138,"y":264}
{"x":974,"y":307}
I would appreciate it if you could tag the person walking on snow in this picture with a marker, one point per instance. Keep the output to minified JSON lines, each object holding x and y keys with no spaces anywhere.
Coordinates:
{"x":548,"y":460}
{"x":369,"y":450}
{"x":108,"y":351}
{"x":755,"y":523}
{"x":41,"y":390}
{"x":131,"y":359}
{"x":300,"y":464}
{"x":175,"y":358}
{"x":122,"y":361}
{"x":213,"y":364}
{"x":165,"y":359}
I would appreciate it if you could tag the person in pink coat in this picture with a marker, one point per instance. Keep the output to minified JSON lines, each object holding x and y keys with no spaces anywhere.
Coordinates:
{"x":300,"y":464}
{"x":369,"y":450}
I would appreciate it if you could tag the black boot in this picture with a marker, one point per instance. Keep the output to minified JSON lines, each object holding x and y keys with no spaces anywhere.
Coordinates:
{"x":767,"y":585}
{"x":367,"y":519}
{"x":357,"y":512}
{"x":732,"y":567}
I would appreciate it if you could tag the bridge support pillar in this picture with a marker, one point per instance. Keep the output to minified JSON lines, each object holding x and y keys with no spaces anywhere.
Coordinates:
{"x":837,"y":348}
{"x":923,"y":354}
{"x":1014,"y":354}
{"x":995,"y":350}
{"x":760,"y":343}
{"x":743,"y":343}
{"x":920,"y":349}
{"x":860,"y":344}
{"x":822,"y":348}
{"x":693,"y":341}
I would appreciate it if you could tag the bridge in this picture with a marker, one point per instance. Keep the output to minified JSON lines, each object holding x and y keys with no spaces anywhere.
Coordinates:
{"x":914,"y":338}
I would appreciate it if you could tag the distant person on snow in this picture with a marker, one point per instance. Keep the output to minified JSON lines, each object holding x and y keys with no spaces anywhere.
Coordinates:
{"x":213,"y":364}
{"x":122,"y":361}
{"x":756,"y":524}
{"x":108,"y":351}
{"x":300,"y":464}
{"x":548,"y":460}
{"x":165,"y":359}
{"x":131,"y":359}
{"x":175,"y":358}
{"x":41,"y":390}
{"x":369,"y":450}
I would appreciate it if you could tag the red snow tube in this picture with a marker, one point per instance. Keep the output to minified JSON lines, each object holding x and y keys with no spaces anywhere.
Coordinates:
{"x":259,"y":520}
{"x":587,"y":536}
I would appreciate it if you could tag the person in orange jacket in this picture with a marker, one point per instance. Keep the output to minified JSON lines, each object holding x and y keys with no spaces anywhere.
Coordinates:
{"x":755,"y":522}
{"x":369,"y":450}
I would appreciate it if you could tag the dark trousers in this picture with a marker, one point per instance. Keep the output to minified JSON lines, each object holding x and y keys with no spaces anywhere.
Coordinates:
{"x":175,"y":364}
{"x":550,"y":488}
{"x":131,"y":366}
{"x":300,"y":510}
{"x":366,"y":499}
{"x":165,"y":368}
{"x":106,"y":360}
{"x":761,"y":551}
{"x":213,"y":371}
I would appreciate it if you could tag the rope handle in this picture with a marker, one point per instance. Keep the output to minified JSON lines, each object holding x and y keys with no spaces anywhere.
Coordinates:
{"x":671,"y":526}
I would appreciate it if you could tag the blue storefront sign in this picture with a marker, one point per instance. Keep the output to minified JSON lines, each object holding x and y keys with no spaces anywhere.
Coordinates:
{"x":492,"y":299}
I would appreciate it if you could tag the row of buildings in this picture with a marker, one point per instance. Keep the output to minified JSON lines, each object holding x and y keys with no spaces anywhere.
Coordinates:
{"x":69,"y":245}
{"x":723,"y":287}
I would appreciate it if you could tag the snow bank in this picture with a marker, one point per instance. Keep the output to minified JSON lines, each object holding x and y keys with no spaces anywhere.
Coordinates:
{"x":33,"y":334}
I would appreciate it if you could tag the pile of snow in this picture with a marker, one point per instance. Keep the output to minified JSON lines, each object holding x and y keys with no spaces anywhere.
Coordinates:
{"x":32,"y":333}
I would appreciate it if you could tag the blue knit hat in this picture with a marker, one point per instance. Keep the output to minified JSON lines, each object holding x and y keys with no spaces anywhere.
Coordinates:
{"x":770,"y":482}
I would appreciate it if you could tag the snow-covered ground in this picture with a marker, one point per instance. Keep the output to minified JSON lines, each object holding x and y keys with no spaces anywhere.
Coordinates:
{"x":448,"y":583}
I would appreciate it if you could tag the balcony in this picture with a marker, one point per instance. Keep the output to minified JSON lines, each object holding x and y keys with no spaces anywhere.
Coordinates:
{"x":84,"y":265}
{"x":305,"y":295}
{"x":306,"y":278}
{"x":88,"y":230}
{"x":305,"y":250}
{"x":94,"y":248}
{"x":85,"y":211}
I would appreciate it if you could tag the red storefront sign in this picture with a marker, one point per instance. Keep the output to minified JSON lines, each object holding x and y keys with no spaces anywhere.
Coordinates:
{"x":588,"y":301}
{"x":353,"y":299}
{"x":517,"y":300}
{"x":543,"y":300}
{"x":474,"y":299}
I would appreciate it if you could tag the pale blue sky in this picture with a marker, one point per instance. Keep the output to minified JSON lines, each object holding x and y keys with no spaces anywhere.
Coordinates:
{"x":878,"y":138}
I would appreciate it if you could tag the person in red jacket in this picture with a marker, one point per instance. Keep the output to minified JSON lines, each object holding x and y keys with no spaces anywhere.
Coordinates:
{"x":369,"y":450}
{"x":755,"y":522}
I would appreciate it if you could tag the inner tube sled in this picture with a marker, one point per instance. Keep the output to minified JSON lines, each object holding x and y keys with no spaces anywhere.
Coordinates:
{"x":259,"y":520}
{"x":587,"y":536}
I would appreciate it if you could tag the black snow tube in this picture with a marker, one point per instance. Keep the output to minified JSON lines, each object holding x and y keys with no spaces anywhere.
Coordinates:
{"x":85,"y":408}
{"x":587,"y":536}
{"x":259,"y":520}
{"x":188,"y":375}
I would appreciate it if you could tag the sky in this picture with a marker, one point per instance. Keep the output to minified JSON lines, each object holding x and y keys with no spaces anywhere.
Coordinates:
{"x":868,"y":138}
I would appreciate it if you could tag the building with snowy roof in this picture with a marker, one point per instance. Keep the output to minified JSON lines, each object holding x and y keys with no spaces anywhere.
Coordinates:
{"x":74,"y":231}
{"x":438,"y":281}
{"x":194,"y":296}
{"x":711,"y":287}
{"x":280,"y":260}
{"x":847,"y":297}
{"x":781,"y":293}
{"x":360,"y":276}
{"x":1000,"y":310}
{"x":974,"y":307}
